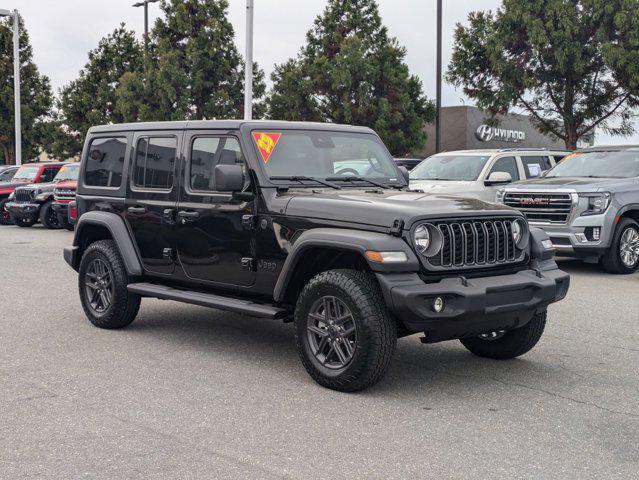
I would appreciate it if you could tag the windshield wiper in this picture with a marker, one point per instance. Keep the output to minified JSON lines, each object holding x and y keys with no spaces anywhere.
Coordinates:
{"x":362,"y":179}
{"x":303,"y":178}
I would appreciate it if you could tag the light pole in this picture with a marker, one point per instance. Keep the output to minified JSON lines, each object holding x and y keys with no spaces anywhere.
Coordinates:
{"x":16,"y":81}
{"x":438,"y":100}
{"x":145,"y":4}
{"x":248,"y":66}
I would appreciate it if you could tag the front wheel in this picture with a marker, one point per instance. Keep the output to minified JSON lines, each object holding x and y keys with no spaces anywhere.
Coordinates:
{"x":345,"y":336}
{"x":23,"y":222}
{"x":102,"y":281}
{"x":503,"y":345}
{"x":623,"y":255}
{"x":49,"y":217}
{"x":5,"y":217}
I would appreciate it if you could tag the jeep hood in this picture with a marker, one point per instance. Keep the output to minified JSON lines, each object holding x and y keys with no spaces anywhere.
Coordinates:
{"x":445,"y":187}
{"x":577,"y":184}
{"x":43,"y":187}
{"x":382,"y":209}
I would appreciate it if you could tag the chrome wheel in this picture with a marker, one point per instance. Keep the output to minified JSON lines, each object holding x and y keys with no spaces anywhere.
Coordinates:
{"x":99,"y":285}
{"x":629,"y":247}
{"x":332,"y":332}
{"x":492,"y":336}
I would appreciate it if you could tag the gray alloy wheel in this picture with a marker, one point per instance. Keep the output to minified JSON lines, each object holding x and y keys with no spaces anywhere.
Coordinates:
{"x":99,"y":285}
{"x":332,"y":332}
{"x":629,"y":247}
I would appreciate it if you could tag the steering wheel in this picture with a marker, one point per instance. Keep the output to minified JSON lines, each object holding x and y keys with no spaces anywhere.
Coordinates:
{"x":349,"y":171}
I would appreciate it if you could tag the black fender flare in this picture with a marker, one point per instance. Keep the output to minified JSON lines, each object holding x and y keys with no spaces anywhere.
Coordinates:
{"x":119,"y":232}
{"x":627,"y":208}
{"x":349,"y":240}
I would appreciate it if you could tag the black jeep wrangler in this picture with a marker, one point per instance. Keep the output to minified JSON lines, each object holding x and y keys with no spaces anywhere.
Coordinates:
{"x":308,"y":223}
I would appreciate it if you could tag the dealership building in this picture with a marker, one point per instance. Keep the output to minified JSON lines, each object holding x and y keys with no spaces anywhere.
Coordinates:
{"x":469,"y":128}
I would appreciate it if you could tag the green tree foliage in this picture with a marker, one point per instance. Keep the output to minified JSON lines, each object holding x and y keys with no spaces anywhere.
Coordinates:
{"x":91,"y":98}
{"x":194,"y":70}
{"x":573,"y":65}
{"x":351,"y":71}
{"x":36,"y":97}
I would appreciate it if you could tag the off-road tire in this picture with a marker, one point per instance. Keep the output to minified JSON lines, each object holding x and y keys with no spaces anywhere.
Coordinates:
{"x":23,"y":222}
{"x":47,"y":214}
{"x":376,"y":329}
{"x":124,"y":306}
{"x":5,"y":218}
{"x":611,"y":261}
{"x":512,"y":344}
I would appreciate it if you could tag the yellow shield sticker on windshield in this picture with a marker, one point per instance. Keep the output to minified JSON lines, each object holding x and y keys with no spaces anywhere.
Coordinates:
{"x":266,"y":142}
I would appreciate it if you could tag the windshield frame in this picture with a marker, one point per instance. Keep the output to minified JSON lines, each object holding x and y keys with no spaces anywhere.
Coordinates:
{"x":480,"y":172}
{"x":600,"y":154}
{"x":264,"y":177}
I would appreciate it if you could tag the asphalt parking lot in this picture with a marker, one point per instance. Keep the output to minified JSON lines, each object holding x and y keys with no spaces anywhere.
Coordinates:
{"x":187,"y":392}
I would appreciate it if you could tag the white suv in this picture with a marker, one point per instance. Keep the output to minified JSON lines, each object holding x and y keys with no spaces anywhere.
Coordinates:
{"x":478,"y":173}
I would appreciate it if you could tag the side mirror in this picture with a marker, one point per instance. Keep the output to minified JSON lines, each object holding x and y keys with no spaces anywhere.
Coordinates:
{"x":498,"y":178}
{"x":228,"y":178}
{"x":405,"y":173}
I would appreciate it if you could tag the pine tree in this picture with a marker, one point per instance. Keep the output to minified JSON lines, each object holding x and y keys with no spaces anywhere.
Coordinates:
{"x":351,"y":71}
{"x":36,"y":98}
{"x":194,"y":70}
{"x":91,"y":98}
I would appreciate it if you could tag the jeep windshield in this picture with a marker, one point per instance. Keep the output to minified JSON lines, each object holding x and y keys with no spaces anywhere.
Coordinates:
{"x":26,"y":174}
{"x":460,"y":168}
{"x":68,"y":173}
{"x":305,"y":157}
{"x":598,"y":165}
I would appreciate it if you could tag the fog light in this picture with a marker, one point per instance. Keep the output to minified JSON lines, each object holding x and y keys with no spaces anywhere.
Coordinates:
{"x":438,"y":304}
{"x":581,"y":238}
{"x":596,"y":233}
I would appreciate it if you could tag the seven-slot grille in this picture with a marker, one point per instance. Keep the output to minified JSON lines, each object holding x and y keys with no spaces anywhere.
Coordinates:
{"x":476,"y":243}
{"x":541,"y":207}
{"x":64,"y":194}
{"x":24,"y":195}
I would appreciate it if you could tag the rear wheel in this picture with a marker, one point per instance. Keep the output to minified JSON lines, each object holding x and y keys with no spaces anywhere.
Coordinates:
{"x":103,"y":284}
{"x":49,"y":217}
{"x":506,"y":344}
{"x":623,"y":255}
{"x":345,"y":335}
{"x":5,"y":217}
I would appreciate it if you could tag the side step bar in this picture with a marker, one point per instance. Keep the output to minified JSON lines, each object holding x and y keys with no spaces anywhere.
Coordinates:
{"x":245,"y":307}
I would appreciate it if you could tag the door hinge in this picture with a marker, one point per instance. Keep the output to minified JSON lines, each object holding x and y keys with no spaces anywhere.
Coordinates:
{"x":248,"y":222}
{"x":168,"y":253}
{"x":397,"y":228}
{"x":248,"y":263}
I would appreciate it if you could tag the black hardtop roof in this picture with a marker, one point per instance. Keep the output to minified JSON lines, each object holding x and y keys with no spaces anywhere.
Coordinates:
{"x":225,"y":125}
{"x":608,"y":148}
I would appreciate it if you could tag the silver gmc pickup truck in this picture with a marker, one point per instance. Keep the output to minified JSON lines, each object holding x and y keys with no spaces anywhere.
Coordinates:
{"x":588,"y":205}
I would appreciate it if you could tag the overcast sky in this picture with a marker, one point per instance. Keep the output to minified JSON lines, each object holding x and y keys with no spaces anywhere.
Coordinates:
{"x":63,"y":31}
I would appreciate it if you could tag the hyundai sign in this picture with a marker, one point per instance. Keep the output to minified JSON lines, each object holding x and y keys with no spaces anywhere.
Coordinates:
{"x":486,"y":133}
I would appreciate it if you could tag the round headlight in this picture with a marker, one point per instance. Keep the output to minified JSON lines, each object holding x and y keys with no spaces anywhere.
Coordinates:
{"x":422,"y":239}
{"x":518,"y":229}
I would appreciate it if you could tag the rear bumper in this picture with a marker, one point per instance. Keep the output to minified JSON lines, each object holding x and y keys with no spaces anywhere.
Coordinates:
{"x":23,"y":210}
{"x":473,"y":306}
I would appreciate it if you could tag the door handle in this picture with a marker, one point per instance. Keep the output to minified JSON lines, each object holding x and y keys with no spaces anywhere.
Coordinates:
{"x":137,"y":210}
{"x":188,"y":215}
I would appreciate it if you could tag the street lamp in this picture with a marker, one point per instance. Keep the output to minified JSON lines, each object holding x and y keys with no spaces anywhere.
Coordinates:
{"x":16,"y":80}
{"x":145,"y":4}
{"x":248,"y":66}
{"x":438,"y":100}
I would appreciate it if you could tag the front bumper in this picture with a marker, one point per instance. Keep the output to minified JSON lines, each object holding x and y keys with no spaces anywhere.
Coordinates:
{"x":62,"y":210}
{"x":23,"y":210}
{"x":472,"y":306}
{"x":570,"y":239}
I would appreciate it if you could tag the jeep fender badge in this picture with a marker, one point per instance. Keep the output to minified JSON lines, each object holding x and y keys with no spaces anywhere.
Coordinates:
{"x":266,"y":143}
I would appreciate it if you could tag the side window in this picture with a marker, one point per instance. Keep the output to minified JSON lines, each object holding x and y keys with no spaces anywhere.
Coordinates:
{"x":206,"y":153}
{"x":508,"y":165}
{"x":155,"y":162}
{"x":534,"y":166}
{"x":104,"y":162}
{"x":48,"y":174}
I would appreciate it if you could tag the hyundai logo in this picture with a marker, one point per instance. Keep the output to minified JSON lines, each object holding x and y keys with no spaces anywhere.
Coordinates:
{"x":486,"y":133}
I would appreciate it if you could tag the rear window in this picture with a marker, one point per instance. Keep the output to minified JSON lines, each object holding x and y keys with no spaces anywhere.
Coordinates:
{"x":104,"y":162}
{"x":154,"y":162}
